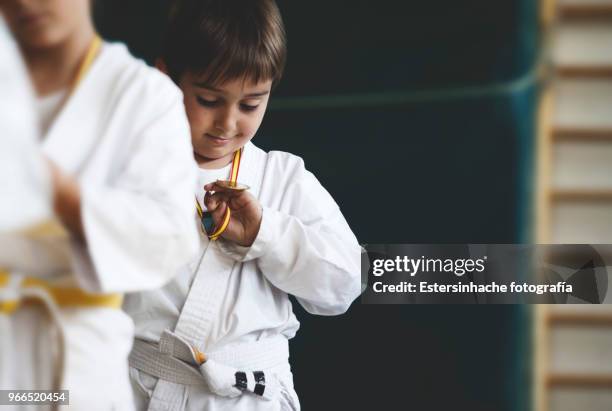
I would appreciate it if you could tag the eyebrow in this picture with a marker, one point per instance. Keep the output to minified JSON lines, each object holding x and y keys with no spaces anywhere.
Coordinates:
{"x":211,"y":88}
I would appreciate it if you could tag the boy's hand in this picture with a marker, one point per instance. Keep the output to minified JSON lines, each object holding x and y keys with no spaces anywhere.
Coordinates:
{"x":246,"y":213}
{"x":67,"y":200}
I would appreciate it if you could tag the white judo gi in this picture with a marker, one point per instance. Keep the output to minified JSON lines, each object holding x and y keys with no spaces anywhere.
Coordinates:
{"x":231,"y":303}
{"x":25,"y":189}
{"x":124,"y":135}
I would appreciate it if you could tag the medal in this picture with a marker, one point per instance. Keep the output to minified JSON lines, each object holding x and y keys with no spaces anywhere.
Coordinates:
{"x":206,"y":221}
{"x":231,"y":185}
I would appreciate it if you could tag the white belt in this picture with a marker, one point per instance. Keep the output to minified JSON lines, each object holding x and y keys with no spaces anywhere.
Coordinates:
{"x":229,"y":372}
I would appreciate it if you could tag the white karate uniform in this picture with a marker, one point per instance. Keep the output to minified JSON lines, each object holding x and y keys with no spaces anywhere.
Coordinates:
{"x":25,"y":190}
{"x":232,"y":302}
{"x":124,"y":135}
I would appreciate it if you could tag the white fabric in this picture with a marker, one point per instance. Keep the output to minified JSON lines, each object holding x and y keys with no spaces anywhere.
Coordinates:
{"x":24,"y":180}
{"x":124,"y":135}
{"x":206,"y":176}
{"x":24,"y":201}
{"x":48,"y":107}
{"x":231,"y":294}
{"x":174,"y":360}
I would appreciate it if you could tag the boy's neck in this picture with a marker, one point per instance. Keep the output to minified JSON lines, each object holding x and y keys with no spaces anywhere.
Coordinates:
{"x":54,"y":68}
{"x":213,"y":164}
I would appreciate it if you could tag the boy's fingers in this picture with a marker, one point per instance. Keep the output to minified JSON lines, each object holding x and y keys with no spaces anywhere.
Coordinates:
{"x":217,"y":188}
{"x":219,"y":212}
{"x":212,"y":200}
{"x":208,"y":202}
{"x":216,"y":205}
{"x":212,"y":197}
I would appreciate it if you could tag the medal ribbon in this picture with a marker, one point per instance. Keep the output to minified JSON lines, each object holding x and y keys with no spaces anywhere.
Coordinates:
{"x":205,"y":215}
{"x":94,"y":47}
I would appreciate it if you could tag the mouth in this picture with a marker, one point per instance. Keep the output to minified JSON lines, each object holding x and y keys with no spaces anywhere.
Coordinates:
{"x":31,"y":19}
{"x":219,"y":140}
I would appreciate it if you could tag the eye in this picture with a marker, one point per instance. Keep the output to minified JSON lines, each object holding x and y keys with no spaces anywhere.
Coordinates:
{"x":206,"y":103}
{"x":248,"y":107}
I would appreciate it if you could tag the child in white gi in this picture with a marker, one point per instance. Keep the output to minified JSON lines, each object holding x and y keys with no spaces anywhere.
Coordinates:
{"x":110,"y":177}
{"x":216,"y":337}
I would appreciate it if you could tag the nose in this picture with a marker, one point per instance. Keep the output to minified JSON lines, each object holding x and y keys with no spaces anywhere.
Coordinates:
{"x":226,"y":122}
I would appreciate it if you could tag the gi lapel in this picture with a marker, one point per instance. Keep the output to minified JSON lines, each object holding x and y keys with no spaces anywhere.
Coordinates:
{"x":213,"y":271}
{"x":207,"y":289}
{"x":73,"y":136}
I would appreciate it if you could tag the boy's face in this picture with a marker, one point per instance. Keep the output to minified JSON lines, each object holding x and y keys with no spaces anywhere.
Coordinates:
{"x":223,"y":118}
{"x":40,"y":24}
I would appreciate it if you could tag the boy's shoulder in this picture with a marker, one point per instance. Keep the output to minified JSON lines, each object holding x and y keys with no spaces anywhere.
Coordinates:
{"x":133,"y":74}
{"x":278,"y":160}
{"x":139,"y":99}
{"x":285,"y":178}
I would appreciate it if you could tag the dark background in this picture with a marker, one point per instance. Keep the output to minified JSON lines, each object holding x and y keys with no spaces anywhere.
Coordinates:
{"x":411,"y":115}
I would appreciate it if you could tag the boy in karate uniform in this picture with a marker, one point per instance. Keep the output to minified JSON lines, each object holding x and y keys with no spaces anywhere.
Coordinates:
{"x":216,"y":337}
{"x":115,"y":144}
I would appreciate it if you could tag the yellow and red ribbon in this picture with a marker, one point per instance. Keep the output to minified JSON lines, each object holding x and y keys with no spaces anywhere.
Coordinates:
{"x":216,"y":232}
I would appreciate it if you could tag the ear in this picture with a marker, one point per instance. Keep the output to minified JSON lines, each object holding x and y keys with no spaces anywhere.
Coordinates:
{"x":160,"y":64}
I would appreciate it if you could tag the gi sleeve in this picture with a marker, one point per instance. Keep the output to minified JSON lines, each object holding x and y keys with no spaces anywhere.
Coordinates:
{"x":306,"y":247}
{"x":139,"y":226}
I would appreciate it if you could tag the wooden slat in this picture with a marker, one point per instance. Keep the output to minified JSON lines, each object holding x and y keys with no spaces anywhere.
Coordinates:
{"x":583,"y":103}
{"x":540,"y":395}
{"x":541,"y":355}
{"x":545,"y":381}
{"x":578,"y":254}
{"x":585,"y":12}
{"x":582,"y":222}
{"x":583,"y":71}
{"x":579,"y":380}
{"x":582,"y":134}
{"x":581,"y":319}
{"x":582,"y":195}
{"x":548,"y":13}
{"x":544,"y":166}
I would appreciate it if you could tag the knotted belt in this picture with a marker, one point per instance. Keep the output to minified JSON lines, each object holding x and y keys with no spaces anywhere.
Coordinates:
{"x":22,"y":290}
{"x":229,"y":372}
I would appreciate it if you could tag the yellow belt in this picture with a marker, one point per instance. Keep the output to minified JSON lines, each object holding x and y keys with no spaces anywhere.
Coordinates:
{"x":62,"y":296}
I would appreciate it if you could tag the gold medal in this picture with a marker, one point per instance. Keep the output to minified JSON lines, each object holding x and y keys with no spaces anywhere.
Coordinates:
{"x":205,"y":217}
{"x":232,"y":185}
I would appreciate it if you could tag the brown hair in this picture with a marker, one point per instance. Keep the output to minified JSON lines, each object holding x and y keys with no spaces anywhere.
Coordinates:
{"x":224,"y":40}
